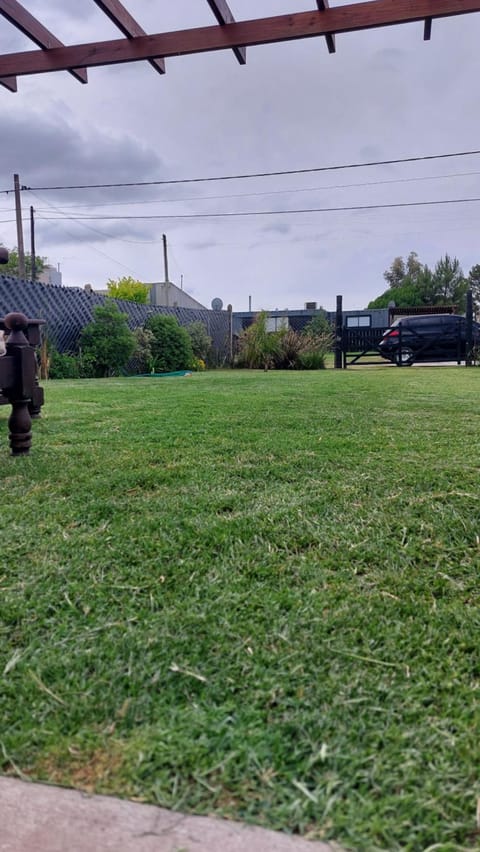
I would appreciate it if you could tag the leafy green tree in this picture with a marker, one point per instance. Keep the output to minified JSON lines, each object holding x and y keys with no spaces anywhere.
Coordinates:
{"x":319,"y":324}
{"x":128,"y":289}
{"x":396,"y":272}
{"x":200,"y":339}
{"x":400,"y":270}
{"x":106,"y":343}
{"x":171,"y":347}
{"x":449,"y":283}
{"x":446,"y":285}
{"x":409,"y":293}
{"x":473,"y":284}
{"x":11,"y":267}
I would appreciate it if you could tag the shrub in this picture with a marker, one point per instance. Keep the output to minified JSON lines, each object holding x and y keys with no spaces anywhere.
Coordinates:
{"x":283,"y":350}
{"x":290,"y":346}
{"x":143,"y":354}
{"x":315,"y":350}
{"x":319,"y":325}
{"x":200,"y":339}
{"x":311,"y":360}
{"x":63,"y":366}
{"x":106,"y":343}
{"x":258,"y":347}
{"x":171,"y":346}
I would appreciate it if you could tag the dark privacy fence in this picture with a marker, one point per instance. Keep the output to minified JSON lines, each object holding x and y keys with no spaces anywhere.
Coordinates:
{"x":67,"y":310}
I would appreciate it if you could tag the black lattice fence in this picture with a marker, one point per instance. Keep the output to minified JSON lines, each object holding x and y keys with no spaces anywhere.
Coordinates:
{"x":66,"y":310}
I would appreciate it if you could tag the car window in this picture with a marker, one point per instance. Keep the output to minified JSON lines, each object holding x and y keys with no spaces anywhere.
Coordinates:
{"x":427,"y":322}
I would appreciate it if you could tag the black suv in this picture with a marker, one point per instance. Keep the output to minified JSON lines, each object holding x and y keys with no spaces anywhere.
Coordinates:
{"x":427,"y":337}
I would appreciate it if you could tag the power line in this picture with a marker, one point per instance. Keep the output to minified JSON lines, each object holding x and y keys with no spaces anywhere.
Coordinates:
{"x":253,"y":174}
{"x":266,"y":192}
{"x":270,"y":212}
{"x":99,"y":251}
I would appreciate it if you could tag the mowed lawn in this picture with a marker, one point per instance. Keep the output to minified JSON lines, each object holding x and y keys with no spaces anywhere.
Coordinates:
{"x":252,"y":594}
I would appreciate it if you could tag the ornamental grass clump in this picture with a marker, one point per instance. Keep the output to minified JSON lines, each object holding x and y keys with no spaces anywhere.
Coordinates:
{"x":286,"y":349}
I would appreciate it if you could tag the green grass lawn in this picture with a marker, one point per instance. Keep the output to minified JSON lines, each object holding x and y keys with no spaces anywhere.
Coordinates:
{"x":252,"y":594}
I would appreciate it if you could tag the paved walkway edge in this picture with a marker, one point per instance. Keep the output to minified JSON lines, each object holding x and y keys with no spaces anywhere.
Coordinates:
{"x":43,"y":818}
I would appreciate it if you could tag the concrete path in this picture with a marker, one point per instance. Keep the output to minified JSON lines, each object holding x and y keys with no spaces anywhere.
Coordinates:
{"x":42,"y":818}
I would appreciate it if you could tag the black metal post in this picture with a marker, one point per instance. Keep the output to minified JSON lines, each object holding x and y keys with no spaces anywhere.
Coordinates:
{"x":469,"y":331}
{"x":338,"y":334}
{"x":32,"y":243}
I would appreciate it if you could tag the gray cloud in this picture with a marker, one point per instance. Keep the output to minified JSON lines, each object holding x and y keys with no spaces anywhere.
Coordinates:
{"x":49,"y":150}
{"x":277,"y":228}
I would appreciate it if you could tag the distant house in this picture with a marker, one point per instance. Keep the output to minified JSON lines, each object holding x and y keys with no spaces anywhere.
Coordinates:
{"x":167,"y":295}
{"x":51,"y":276}
{"x":297,"y":319}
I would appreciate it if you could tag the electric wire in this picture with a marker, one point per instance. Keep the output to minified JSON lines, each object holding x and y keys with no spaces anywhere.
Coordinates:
{"x":267,"y":192}
{"x":243,"y":176}
{"x":236,"y":214}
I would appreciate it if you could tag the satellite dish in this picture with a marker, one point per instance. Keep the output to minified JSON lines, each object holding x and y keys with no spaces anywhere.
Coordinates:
{"x":217,"y":304}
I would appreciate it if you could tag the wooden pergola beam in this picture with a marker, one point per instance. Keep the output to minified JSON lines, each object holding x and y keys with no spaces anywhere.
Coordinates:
{"x":121,"y":17}
{"x":329,"y":38}
{"x":9,"y":83}
{"x":223,"y":14}
{"x":341,"y":19}
{"x":31,"y":27}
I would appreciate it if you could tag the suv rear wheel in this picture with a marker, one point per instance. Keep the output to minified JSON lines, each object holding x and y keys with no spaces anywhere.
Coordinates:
{"x":404,"y":358}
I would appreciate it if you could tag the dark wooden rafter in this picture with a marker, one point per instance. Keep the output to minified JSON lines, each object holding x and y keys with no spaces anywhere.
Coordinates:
{"x":354,"y":17}
{"x":223,"y":14}
{"x":9,"y":83}
{"x":14,"y":12}
{"x":330,"y":37}
{"x":122,"y":19}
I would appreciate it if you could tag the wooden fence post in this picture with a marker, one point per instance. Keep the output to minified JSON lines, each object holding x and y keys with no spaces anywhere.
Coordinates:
{"x":18,"y":371}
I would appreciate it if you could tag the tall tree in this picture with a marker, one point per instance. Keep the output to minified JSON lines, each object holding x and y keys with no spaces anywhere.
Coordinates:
{"x":473,"y":284}
{"x":401,"y":269}
{"x":396,"y":272}
{"x":446,"y":285}
{"x":449,"y":283}
{"x":414,"y":268}
{"x":11,"y":267}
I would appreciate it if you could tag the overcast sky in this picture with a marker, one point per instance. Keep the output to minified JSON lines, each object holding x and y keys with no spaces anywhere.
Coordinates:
{"x":386,"y":94}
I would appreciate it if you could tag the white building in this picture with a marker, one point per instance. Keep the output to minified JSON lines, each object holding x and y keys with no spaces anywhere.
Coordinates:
{"x":168,"y":295}
{"x":50,"y":275}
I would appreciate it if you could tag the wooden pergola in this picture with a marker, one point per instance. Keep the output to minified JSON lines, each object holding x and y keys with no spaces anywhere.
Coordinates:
{"x":136,"y":45}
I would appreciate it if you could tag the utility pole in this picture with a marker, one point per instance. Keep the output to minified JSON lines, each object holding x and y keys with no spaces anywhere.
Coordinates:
{"x":165,"y":266}
{"x":32,"y":243}
{"x":18,"y":214}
